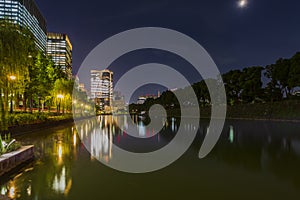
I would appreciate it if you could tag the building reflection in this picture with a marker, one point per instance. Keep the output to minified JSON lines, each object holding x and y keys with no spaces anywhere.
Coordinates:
{"x":101,"y":144}
{"x":61,"y":180}
{"x":256,"y":147}
{"x":61,"y":183}
{"x":101,"y":133}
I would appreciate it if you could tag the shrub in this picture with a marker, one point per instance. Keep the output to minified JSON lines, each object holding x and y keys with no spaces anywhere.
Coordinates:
{"x":12,"y":147}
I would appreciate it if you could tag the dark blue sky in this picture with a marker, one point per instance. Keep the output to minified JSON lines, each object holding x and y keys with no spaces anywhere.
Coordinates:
{"x":257,"y":35}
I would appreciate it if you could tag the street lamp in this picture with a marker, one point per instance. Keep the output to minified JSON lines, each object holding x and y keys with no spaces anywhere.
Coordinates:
{"x":12,"y":78}
{"x":60,"y":97}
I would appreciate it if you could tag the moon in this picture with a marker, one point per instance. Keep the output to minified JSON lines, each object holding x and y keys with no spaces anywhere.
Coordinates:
{"x":242,"y":3}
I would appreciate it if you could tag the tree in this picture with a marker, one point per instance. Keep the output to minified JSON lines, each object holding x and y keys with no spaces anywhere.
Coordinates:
{"x":62,"y":94}
{"x":233,"y":85}
{"x":251,"y":84}
{"x":16,"y":45}
{"x":279,"y":74}
{"x":201,"y":92}
{"x":42,"y":75}
{"x":294,"y":74}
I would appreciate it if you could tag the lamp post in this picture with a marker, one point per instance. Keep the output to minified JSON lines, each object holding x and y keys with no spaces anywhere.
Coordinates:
{"x":60,"y":97}
{"x":12,"y":78}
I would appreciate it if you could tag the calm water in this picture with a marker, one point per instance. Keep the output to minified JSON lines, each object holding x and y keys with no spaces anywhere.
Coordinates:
{"x":252,"y":160}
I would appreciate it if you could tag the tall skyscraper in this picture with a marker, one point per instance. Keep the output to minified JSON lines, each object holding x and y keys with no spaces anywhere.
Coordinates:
{"x":102,"y":88}
{"x":59,"y":48}
{"x":26,"y":14}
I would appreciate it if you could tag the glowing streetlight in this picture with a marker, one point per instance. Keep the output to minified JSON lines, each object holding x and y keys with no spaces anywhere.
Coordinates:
{"x":60,"y":97}
{"x":12,"y":78}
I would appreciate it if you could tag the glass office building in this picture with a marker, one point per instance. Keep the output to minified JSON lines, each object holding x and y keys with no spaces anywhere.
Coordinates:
{"x":59,"y":48}
{"x":26,"y":14}
{"x":102,"y":88}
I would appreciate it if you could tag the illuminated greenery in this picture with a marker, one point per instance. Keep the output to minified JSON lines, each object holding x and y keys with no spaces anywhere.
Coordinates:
{"x":28,"y":76}
{"x":16,"y":44}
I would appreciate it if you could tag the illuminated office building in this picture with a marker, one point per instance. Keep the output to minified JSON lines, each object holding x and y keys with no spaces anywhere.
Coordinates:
{"x":102,"y":88}
{"x":26,"y":14}
{"x":59,"y":48}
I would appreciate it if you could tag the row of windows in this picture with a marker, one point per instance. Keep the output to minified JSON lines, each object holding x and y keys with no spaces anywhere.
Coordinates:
{"x":11,"y":10}
{"x":61,"y":51}
{"x":7,"y":1}
{"x":61,"y":44}
{"x":20,"y":15}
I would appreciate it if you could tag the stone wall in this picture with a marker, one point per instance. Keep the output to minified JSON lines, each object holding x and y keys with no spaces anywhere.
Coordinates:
{"x":11,"y":160}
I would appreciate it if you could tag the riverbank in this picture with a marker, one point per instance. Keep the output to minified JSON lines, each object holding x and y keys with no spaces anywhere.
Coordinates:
{"x":40,"y":125}
{"x":11,"y":160}
{"x":20,"y":123}
{"x":28,"y":128}
{"x":288,"y":111}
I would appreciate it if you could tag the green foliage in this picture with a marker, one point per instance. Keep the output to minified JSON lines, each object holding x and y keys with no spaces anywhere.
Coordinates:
{"x":233,"y":85}
{"x":285,"y":77}
{"x":21,"y":119}
{"x":38,"y":80}
{"x":42,"y":76}
{"x":33,"y":118}
{"x":251,"y":84}
{"x":10,"y":146}
{"x":16,"y":44}
{"x":65,"y":88}
{"x":202,"y":93}
{"x":294,"y":75}
{"x":2,"y":149}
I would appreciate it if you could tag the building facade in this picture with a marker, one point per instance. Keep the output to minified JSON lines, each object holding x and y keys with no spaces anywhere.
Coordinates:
{"x":118,"y":104}
{"x":60,"y":49}
{"x":102,"y":88}
{"x":26,"y":14}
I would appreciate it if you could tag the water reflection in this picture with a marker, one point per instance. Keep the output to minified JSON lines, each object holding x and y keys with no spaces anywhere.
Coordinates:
{"x":269,"y":152}
{"x":99,"y":135}
{"x":101,"y":144}
{"x":266,"y":146}
{"x":231,"y":134}
{"x":61,"y":183}
{"x":50,"y":175}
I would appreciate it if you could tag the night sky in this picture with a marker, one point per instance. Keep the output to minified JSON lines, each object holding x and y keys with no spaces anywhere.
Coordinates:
{"x":235,"y":37}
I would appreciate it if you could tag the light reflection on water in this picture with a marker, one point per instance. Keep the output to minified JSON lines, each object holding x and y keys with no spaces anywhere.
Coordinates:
{"x":263,"y":156}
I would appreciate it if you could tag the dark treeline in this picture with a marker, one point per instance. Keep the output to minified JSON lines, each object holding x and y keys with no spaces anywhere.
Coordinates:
{"x":243,"y":86}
